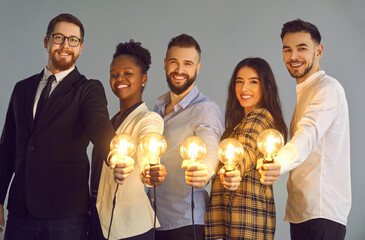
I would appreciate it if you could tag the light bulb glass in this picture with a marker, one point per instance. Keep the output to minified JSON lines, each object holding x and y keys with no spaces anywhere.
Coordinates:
{"x":153,"y":146}
{"x":121,"y":146}
{"x":269,"y":143}
{"x":193,"y":149}
{"x":230,"y":153}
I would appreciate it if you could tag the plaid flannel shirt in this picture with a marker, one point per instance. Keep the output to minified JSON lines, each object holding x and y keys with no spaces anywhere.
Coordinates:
{"x":253,"y":206}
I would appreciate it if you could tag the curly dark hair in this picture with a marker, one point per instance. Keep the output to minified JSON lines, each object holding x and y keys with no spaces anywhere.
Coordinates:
{"x":134,"y":49}
{"x":270,"y":100}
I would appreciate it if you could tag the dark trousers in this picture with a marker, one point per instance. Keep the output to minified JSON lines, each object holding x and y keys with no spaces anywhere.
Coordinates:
{"x":28,"y":227}
{"x":96,"y":233}
{"x":183,"y":233}
{"x":317,"y":229}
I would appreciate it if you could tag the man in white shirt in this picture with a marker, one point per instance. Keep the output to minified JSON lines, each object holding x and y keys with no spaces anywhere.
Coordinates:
{"x":318,"y":154}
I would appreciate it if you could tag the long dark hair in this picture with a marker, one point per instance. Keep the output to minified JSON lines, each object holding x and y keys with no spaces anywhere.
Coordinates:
{"x":271,"y":101}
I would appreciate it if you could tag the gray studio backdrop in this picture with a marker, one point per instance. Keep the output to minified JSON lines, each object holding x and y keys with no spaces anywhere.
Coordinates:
{"x":227,"y":31}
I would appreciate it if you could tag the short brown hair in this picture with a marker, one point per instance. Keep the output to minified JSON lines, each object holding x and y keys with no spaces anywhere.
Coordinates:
{"x":301,"y":26}
{"x":65,"y":17}
{"x":184,"y":41}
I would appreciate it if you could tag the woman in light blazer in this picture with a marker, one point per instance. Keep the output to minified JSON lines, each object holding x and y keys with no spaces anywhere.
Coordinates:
{"x":133,"y":216}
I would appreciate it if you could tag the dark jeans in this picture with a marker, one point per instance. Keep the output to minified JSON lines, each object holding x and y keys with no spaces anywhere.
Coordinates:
{"x":317,"y":229}
{"x":183,"y":233}
{"x":95,"y":232}
{"x":29,"y":227}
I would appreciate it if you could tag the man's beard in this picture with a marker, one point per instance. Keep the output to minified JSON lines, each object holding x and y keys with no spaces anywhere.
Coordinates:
{"x":180,"y":89}
{"x":63,"y":64}
{"x":306,"y":71}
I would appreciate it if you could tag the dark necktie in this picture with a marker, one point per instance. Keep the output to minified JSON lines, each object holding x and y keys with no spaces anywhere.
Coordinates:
{"x":44,"y":95}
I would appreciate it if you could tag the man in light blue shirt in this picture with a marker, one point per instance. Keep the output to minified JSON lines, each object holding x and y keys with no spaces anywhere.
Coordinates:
{"x":186,"y":112}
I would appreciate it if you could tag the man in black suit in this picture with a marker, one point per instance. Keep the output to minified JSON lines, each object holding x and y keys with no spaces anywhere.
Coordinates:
{"x":51,"y":118}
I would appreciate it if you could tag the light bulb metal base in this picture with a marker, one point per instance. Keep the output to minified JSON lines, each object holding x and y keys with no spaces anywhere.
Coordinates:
{"x":229,"y":168}
{"x":268,"y":160}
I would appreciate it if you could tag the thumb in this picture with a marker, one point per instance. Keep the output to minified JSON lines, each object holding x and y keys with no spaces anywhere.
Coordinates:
{"x":222,"y":171}
{"x":260,"y":163}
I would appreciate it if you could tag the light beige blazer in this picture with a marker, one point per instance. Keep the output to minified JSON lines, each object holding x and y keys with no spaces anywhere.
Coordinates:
{"x":133,"y":214}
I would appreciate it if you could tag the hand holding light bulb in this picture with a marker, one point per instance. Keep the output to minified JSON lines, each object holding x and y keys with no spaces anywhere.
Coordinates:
{"x":269,"y":142}
{"x":193,"y":150}
{"x":153,"y":146}
{"x":122,"y":147}
{"x":230,"y":153}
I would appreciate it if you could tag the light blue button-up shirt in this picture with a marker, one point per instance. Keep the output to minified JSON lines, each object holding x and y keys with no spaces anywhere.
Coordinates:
{"x":194,"y":115}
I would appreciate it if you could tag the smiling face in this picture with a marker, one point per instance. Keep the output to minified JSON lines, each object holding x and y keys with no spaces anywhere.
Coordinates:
{"x":301,"y":55}
{"x":127,"y":79}
{"x":181,"y":65}
{"x":62,"y":57}
{"x":248,"y":88}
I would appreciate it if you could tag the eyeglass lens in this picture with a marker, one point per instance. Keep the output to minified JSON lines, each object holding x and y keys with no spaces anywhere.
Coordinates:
{"x":72,"y":41}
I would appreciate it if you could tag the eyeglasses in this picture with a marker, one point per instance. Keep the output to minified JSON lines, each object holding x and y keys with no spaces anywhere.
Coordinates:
{"x":58,"y":38}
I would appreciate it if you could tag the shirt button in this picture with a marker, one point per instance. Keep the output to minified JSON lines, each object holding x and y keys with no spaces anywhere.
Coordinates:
{"x":31,"y":148}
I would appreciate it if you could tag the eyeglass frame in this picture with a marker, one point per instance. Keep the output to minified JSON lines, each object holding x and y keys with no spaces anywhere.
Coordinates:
{"x":64,"y":38}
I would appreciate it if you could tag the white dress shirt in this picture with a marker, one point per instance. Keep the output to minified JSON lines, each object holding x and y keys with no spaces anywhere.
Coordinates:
{"x":46,"y":73}
{"x":318,"y":154}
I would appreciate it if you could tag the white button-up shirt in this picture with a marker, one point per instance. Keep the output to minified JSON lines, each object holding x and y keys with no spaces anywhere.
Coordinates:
{"x":42,"y":84}
{"x":318,"y":154}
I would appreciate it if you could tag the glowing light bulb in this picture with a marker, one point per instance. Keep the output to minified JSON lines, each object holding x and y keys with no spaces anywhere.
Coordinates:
{"x":269,"y":143}
{"x":153,"y":146}
{"x":121,"y":146}
{"x":193,"y":149}
{"x":230,"y":153}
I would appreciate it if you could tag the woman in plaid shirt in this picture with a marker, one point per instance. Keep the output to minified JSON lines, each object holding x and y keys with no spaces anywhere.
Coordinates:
{"x":253,"y":105}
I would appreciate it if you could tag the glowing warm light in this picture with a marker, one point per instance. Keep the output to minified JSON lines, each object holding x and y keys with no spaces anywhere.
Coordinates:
{"x":121,"y":146}
{"x":269,"y":143}
{"x":153,"y":146}
{"x":193,"y":149}
{"x":230,"y":153}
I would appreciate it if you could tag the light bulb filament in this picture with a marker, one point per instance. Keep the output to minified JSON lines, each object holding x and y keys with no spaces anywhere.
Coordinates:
{"x":193,"y":151}
{"x":153,"y":148}
{"x":123,"y":147}
{"x":270,"y":144}
{"x":230,"y":152}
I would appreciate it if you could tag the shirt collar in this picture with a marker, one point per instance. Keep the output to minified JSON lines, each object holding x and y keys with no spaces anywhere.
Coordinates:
{"x":59,"y":76}
{"x":118,"y":119}
{"x":310,"y":79}
{"x":165,"y":99}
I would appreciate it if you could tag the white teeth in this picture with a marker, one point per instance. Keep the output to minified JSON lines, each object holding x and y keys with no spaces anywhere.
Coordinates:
{"x":122,"y":86}
{"x":296,"y":65}
{"x":246,"y":96}
{"x":179,"y":78}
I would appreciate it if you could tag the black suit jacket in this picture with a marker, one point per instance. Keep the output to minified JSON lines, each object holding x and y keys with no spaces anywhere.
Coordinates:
{"x":48,"y":157}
